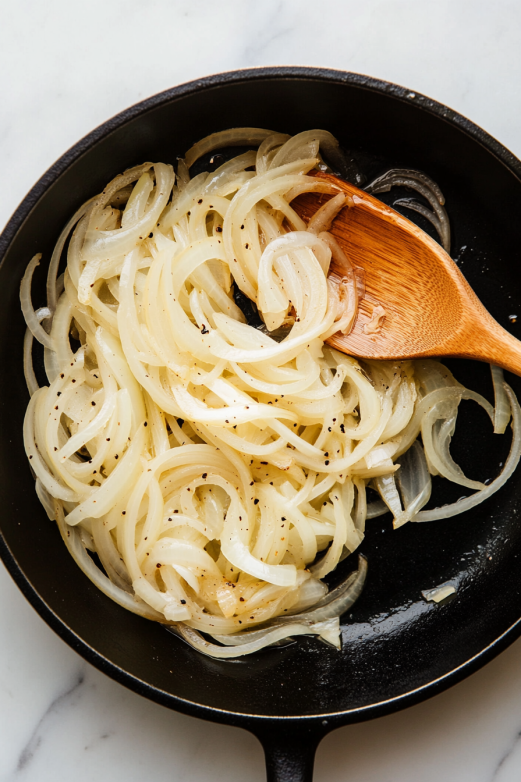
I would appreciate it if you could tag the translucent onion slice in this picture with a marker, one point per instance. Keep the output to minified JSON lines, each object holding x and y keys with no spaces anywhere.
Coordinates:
{"x":235,"y":137}
{"x":436,"y":443}
{"x":411,"y":203}
{"x":52,"y":291}
{"x":502,"y":411}
{"x":115,"y":487}
{"x":30,"y":377}
{"x":323,"y":217}
{"x":463,"y":505}
{"x":262,"y":640}
{"x":416,"y":180}
{"x":72,"y":539}
{"x":386,"y":486}
{"x":207,"y":461}
{"x":30,"y":316}
{"x":336,"y":602}
{"x":375,"y":509}
{"x":99,"y":244}
{"x":414,"y":481}
{"x":45,"y":498}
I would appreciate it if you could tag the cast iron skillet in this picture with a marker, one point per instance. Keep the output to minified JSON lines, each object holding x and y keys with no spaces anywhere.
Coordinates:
{"x":397,"y":649}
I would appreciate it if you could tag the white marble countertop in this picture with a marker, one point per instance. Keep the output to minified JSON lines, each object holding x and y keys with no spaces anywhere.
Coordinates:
{"x":67,"y":66}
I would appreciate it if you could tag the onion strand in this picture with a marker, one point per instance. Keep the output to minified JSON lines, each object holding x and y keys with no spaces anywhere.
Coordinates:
{"x":219,"y":467}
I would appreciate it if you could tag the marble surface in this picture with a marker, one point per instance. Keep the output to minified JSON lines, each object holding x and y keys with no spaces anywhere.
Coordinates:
{"x":65,"y":67}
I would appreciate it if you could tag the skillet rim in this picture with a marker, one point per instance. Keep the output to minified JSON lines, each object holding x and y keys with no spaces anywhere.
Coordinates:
{"x":16,"y":222}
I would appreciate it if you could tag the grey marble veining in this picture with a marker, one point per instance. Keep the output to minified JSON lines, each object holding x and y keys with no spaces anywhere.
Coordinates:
{"x":64,"y":68}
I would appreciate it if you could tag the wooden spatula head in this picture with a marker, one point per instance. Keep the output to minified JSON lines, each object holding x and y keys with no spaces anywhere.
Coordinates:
{"x":430,"y":309}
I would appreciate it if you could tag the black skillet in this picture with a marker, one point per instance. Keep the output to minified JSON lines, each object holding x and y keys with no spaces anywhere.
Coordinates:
{"x":397,"y":648}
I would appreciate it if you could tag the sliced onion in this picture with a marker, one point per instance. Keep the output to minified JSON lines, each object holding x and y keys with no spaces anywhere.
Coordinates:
{"x":52,"y":287}
{"x":30,"y":316}
{"x":461,"y":506}
{"x":99,"y":244}
{"x":30,"y":377}
{"x":375,"y":509}
{"x":418,"y":181}
{"x":439,"y":593}
{"x":386,"y":486}
{"x":236,"y":137}
{"x":45,"y":498}
{"x":414,"y":480}
{"x":323,"y":217}
{"x":436,"y":440}
{"x":115,"y":487}
{"x":410,"y":203}
{"x":337,"y":602}
{"x":72,"y":539}
{"x":215,"y":520}
{"x":502,"y":411}
{"x":262,"y":640}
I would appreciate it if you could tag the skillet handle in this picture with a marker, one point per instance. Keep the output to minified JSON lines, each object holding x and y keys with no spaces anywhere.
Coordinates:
{"x":290,"y":754}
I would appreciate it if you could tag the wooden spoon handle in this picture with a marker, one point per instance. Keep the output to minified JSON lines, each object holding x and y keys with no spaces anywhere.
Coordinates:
{"x":479,"y":336}
{"x":488,"y":341}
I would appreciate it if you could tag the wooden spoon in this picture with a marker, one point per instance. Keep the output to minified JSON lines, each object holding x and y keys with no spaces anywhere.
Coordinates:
{"x":430,"y":309}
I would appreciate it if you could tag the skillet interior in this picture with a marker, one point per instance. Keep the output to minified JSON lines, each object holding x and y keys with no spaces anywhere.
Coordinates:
{"x":396,"y":643}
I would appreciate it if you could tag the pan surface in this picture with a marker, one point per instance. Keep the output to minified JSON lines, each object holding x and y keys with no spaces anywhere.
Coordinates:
{"x":397,"y":648}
